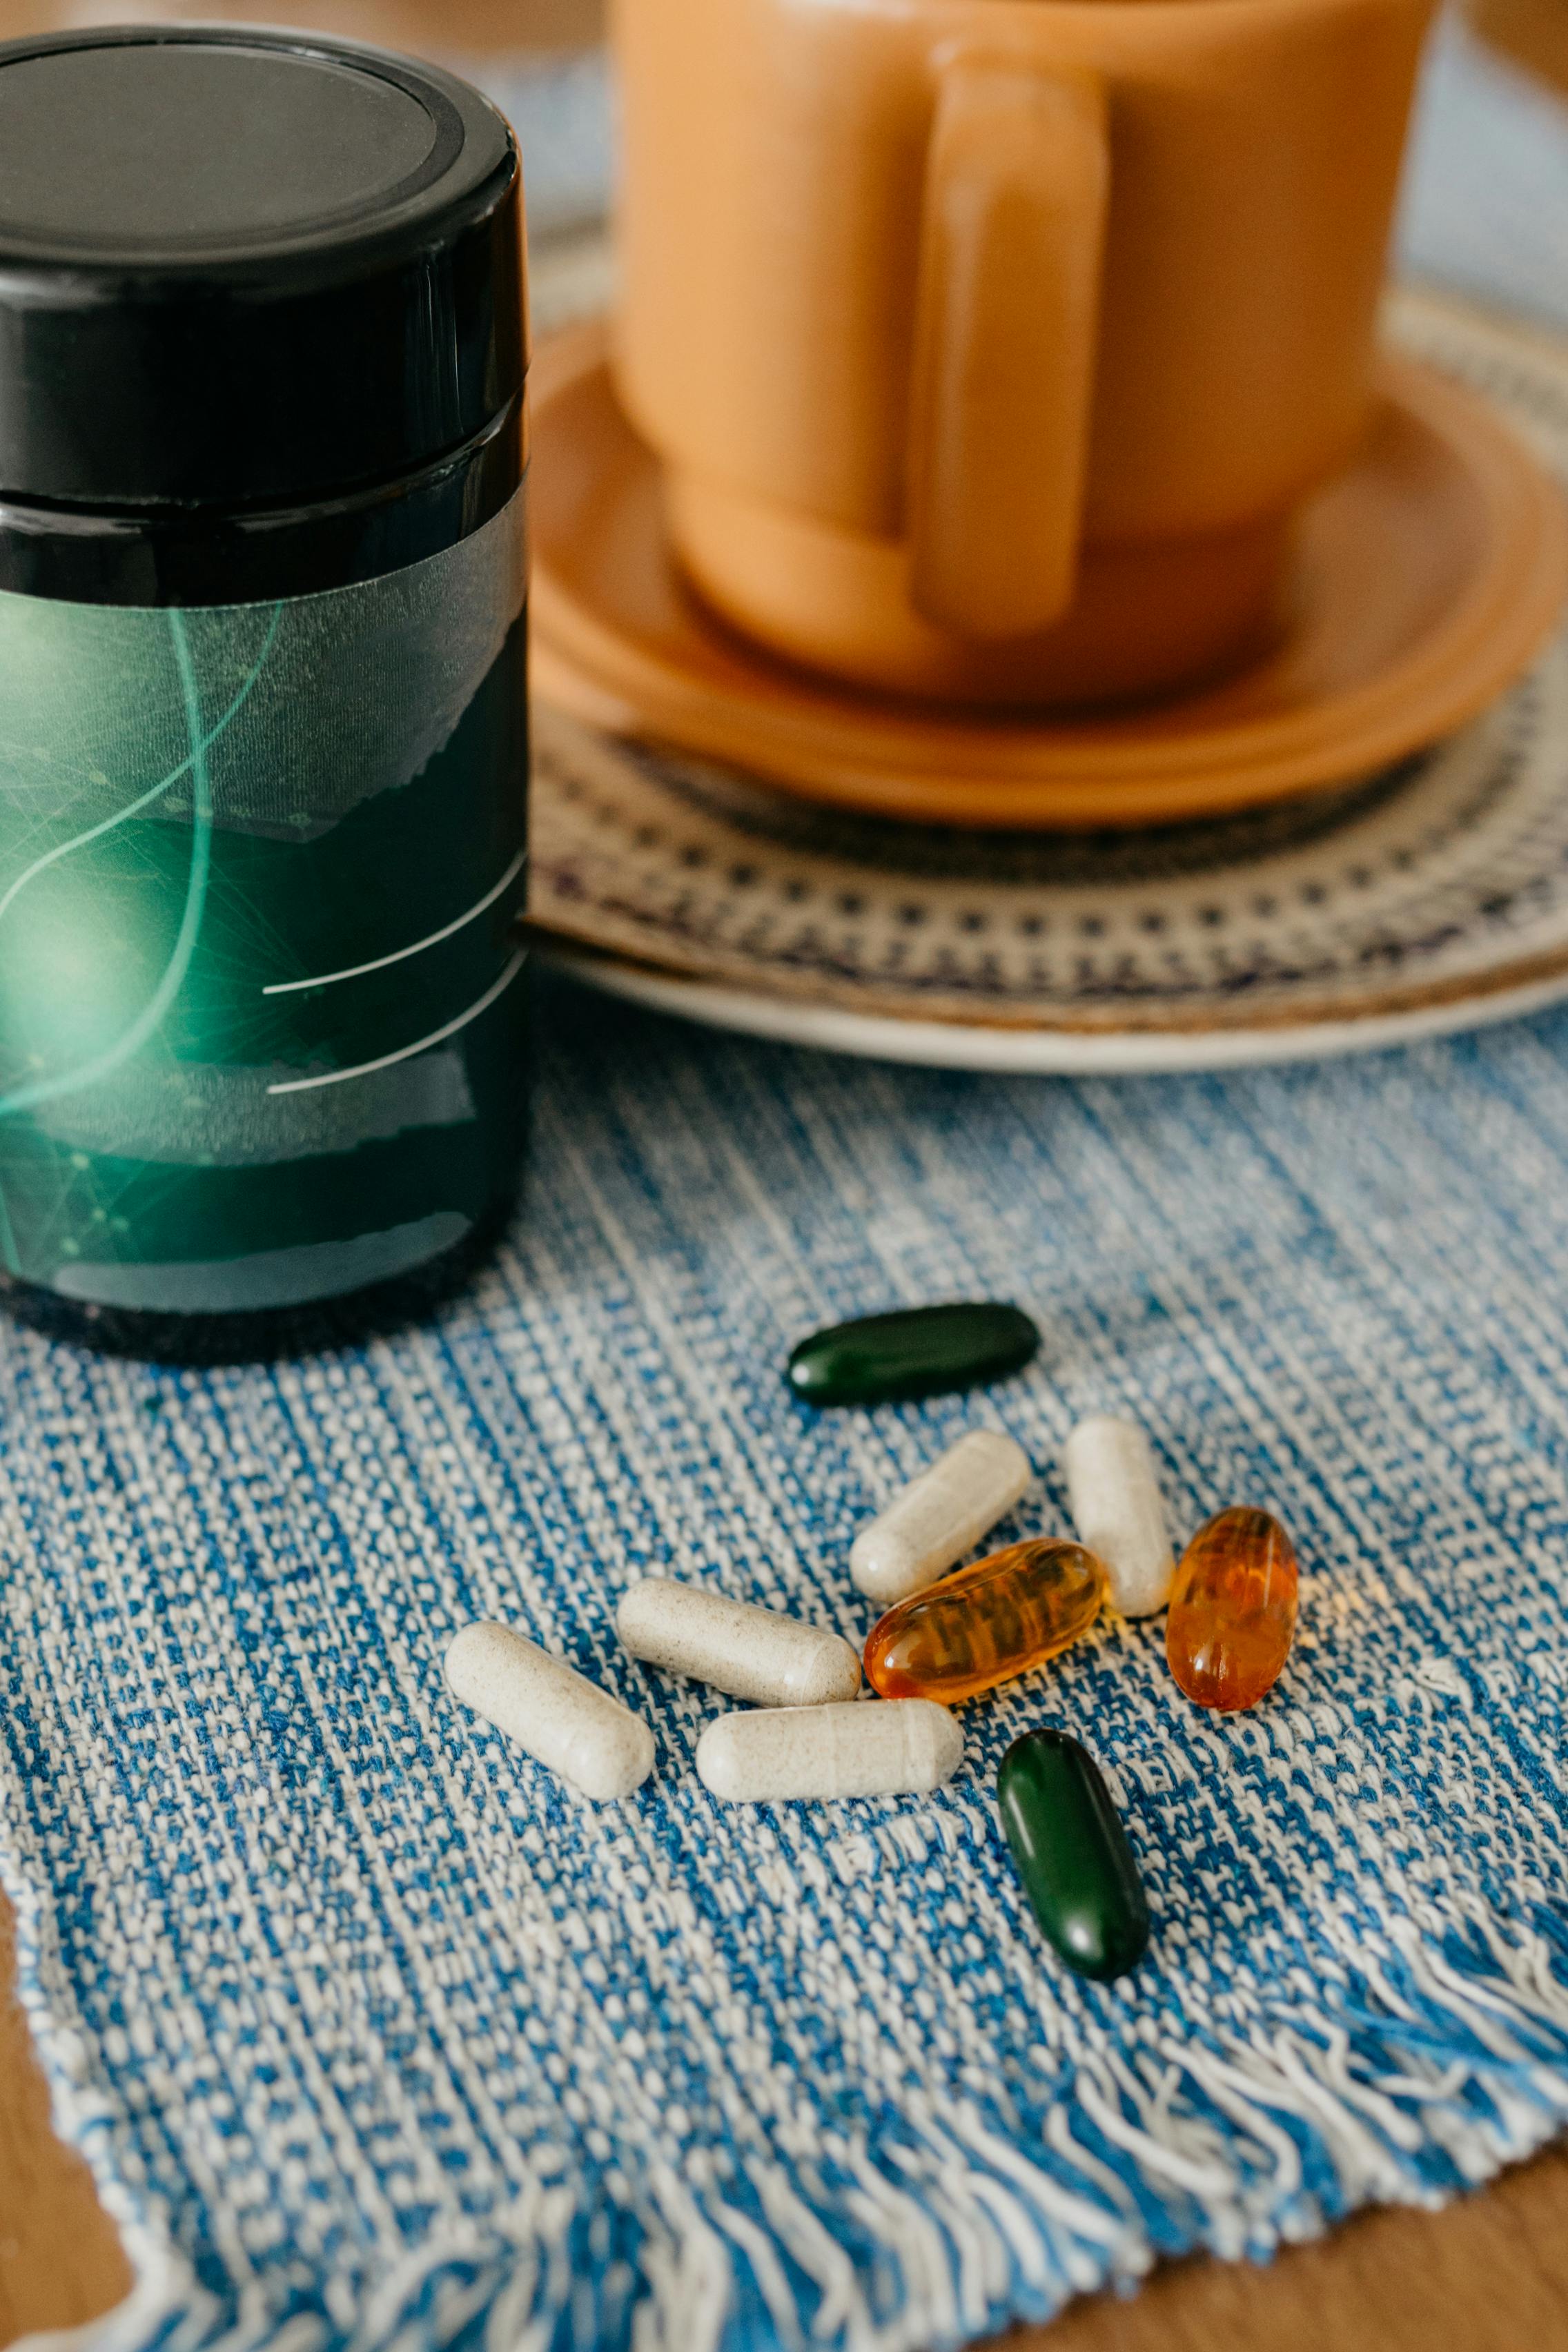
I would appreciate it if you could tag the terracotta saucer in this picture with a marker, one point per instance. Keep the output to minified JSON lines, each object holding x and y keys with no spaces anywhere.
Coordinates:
{"x":1426,"y":580}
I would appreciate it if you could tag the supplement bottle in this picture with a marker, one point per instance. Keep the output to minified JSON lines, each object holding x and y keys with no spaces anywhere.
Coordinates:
{"x":263,"y":749}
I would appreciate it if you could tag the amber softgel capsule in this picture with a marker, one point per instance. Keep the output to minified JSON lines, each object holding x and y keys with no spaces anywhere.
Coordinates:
{"x":1233,"y":1610}
{"x":996,"y":1619}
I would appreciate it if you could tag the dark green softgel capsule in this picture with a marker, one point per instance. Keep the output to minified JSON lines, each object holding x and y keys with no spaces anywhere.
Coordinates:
{"x":914,"y":1352}
{"x":1072,"y":1854}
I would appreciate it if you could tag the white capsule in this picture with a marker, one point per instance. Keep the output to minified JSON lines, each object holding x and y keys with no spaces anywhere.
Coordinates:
{"x":935,"y":1519}
{"x":563,"y":1720}
{"x":881,"y":1748}
{"x":1118,"y":1511}
{"x":753,"y":1654}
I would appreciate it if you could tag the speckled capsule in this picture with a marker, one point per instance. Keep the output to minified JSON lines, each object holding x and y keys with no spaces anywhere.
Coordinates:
{"x":773,"y":1755}
{"x":936,"y":1517}
{"x":564,"y":1721}
{"x":990,"y":1622}
{"x":1233,"y":1610}
{"x":1118,"y":1511}
{"x":753,"y":1654}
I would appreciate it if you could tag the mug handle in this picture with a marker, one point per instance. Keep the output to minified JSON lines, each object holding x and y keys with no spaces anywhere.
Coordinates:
{"x":1006,"y":320}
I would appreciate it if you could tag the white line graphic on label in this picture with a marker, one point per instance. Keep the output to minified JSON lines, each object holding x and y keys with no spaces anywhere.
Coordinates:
{"x":405,"y":1053}
{"x":398,"y":955}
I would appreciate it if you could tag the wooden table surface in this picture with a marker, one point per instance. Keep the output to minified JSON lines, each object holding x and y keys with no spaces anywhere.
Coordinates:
{"x":1488,"y":2274}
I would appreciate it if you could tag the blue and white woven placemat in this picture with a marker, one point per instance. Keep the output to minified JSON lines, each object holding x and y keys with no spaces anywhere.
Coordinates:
{"x":377,"y":2039}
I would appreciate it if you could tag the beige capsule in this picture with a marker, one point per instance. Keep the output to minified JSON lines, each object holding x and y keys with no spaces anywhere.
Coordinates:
{"x":564,"y":1721}
{"x":888,"y":1748}
{"x":1119,"y":1512}
{"x":751,"y":1653}
{"x":930,"y":1523}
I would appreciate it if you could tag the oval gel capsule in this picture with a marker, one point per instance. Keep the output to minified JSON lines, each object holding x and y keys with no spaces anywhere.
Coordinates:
{"x":1119,"y":1513}
{"x":753,"y":1654}
{"x":855,"y":1750}
{"x":564,"y":1721}
{"x":938,"y":1516}
{"x":1008,"y":1613}
{"x":1072,"y":1855}
{"x":914,"y":1351}
{"x":1233,"y":1610}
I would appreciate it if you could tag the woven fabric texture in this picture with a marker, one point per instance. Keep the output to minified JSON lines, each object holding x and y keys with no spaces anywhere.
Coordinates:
{"x":376,"y":2036}
{"x":378,"y":2039}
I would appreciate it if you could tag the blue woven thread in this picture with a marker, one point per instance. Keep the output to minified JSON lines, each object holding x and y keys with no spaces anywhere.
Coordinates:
{"x":344,"y":1997}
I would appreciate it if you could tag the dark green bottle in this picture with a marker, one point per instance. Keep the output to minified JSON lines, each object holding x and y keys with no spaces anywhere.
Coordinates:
{"x":915,"y":1351}
{"x":1072,"y":1854}
{"x":263,"y":698}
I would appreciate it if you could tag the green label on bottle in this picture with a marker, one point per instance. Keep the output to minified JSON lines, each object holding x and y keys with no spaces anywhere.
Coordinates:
{"x":261,"y":1007}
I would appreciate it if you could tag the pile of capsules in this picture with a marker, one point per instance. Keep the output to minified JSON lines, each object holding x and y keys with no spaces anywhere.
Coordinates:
{"x":806,"y":1732}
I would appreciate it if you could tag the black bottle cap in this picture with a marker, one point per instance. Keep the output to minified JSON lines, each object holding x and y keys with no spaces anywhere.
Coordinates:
{"x":243,"y":269}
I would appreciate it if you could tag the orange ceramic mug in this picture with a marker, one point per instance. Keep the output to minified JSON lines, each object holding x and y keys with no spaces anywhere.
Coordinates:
{"x":990,"y":346}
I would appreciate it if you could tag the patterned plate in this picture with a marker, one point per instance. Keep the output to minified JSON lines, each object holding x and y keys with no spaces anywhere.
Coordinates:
{"x":1431,"y":898}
